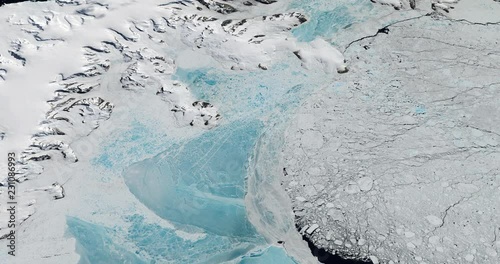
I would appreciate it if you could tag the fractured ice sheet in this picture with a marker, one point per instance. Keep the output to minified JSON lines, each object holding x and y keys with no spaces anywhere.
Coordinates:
{"x":398,"y":160}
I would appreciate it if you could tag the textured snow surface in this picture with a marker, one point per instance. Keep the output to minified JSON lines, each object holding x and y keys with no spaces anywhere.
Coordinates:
{"x":398,"y":160}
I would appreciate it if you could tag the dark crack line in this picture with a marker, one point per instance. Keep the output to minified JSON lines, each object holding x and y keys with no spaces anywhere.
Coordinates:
{"x":484,"y":130}
{"x":440,"y":41}
{"x":452,"y":98}
{"x":384,"y":30}
{"x":446,"y":212}
{"x":473,"y":23}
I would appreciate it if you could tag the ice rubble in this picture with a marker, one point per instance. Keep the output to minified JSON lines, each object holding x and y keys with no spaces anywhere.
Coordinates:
{"x":397,"y":161}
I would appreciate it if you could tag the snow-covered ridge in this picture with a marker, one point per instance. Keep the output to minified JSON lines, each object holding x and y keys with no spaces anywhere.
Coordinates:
{"x":397,"y":4}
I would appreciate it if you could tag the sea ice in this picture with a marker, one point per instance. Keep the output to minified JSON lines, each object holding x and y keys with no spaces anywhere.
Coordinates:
{"x":429,"y":174}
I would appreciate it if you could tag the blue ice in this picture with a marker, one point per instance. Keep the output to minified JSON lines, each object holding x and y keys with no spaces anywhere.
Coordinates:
{"x":139,"y":140}
{"x":248,"y":94}
{"x":151,"y":243}
{"x":324,"y":24}
{"x":95,"y":244}
{"x":198,"y":81}
{"x":162,"y":245}
{"x":326,"y":17}
{"x":420,"y":109}
{"x":200,"y":182}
